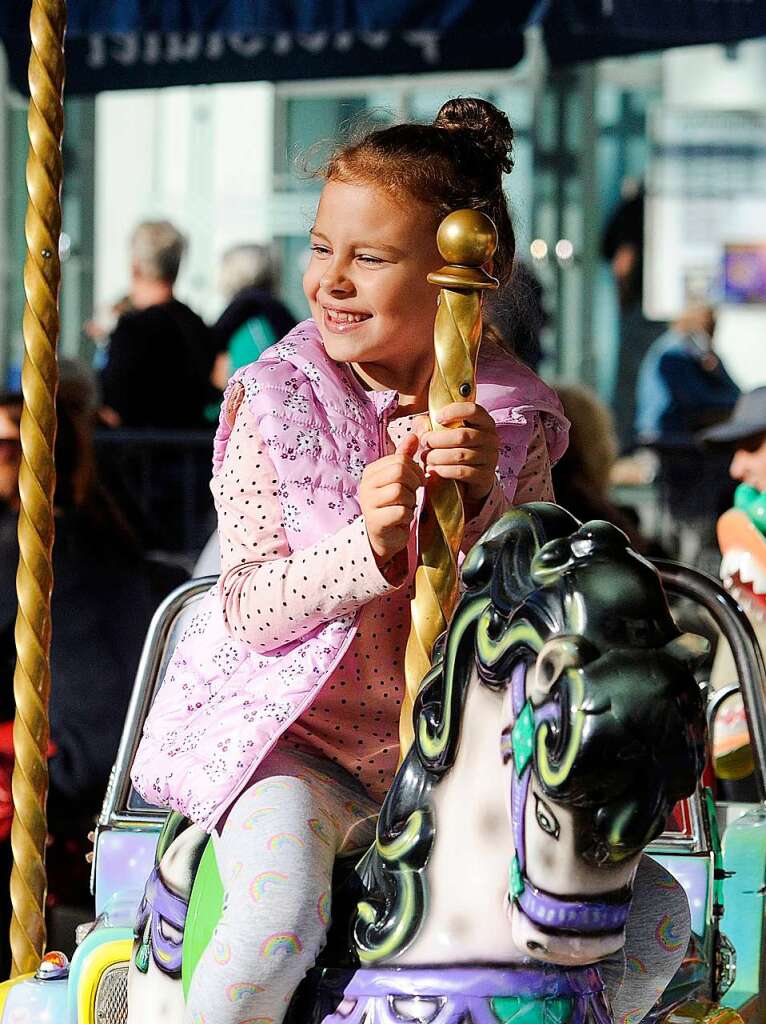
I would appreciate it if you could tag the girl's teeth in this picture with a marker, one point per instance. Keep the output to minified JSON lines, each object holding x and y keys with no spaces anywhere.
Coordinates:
{"x":345,"y":317}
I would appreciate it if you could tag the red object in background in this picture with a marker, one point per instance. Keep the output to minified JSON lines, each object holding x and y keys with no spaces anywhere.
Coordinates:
{"x":6,"y":771}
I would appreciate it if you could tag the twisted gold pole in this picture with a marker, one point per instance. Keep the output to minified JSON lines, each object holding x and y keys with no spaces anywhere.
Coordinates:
{"x":34,"y":580}
{"x":467,"y":240}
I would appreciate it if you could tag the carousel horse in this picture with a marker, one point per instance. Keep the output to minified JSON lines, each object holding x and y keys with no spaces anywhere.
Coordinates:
{"x":558,"y":726}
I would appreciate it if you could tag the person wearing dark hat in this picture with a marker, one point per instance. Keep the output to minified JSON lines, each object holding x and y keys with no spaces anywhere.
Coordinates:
{"x":742,"y":540}
{"x":745,"y":432}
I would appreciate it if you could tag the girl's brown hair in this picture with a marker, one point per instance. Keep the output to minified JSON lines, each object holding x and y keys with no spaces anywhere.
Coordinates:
{"x":455,"y":163}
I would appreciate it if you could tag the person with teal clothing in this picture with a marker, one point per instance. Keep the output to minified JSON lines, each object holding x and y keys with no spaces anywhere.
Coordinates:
{"x":254,"y":318}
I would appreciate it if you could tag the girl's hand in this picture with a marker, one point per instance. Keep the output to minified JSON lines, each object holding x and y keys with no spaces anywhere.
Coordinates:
{"x":387,"y":496}
{"x":467,"y":452}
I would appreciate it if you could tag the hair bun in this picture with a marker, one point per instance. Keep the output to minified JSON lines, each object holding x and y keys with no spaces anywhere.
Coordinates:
{"x":487,"y":127}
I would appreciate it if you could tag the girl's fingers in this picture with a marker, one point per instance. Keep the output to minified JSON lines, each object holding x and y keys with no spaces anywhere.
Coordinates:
{"x":408,"y":446}
{"x":458,"y":437}
{"x":462,"y":472}
{"x":393,"y":516}
{"x":394,"y":468}
{"x":395,"y":494}
{"x":469,"y":413}
{"x":457,"y":457}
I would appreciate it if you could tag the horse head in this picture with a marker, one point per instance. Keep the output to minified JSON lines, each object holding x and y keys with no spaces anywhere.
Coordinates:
{"x":605,"y":726}
{"x":601,"y":732}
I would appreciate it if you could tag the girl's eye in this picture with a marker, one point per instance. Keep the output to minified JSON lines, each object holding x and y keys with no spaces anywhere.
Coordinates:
{"x":370,"y":260}
{"x":319,"y":250}
{"x":546,"y":819}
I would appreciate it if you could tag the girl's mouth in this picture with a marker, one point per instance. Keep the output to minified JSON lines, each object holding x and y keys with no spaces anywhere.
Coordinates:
{"x":339,"y":321}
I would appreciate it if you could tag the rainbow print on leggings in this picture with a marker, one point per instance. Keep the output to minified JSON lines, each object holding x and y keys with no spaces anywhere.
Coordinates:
{"x":666,"y":935}
{"x":319,"y":830}
{"x":323,"y":908}
{"x":264,"y":881}
{"x":249,"y":822}
{"x":287,"y":941}
{"x":282,"y":839}
{"x":241,"y":990}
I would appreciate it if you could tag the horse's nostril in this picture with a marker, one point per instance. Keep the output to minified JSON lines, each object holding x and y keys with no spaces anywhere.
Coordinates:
{"x":533,"y":946}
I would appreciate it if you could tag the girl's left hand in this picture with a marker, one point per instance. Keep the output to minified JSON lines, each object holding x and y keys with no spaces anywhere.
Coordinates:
{"x":466,"y":452}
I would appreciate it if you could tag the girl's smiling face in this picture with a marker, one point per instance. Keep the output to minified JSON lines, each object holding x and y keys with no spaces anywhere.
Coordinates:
{"x":367,"y":283}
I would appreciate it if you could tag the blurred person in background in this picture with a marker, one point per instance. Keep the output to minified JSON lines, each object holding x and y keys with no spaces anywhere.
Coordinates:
{"x":160,"y":354}
{"x":517,"y":314}
{"x":622,"y":246}
{"x":683,"y":387}
{"x":581,"y":478}
{"x":103,"y":599}
{"x":253,"y":318}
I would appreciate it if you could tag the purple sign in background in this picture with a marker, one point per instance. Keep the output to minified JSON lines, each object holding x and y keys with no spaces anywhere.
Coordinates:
{"x":744,"y":272}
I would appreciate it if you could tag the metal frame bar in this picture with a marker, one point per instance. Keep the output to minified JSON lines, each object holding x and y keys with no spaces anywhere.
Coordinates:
{"x":148,"y":667}
{"x":684,"y":581}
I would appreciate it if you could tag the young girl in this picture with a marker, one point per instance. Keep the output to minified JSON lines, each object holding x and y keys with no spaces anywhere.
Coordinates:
{"x":276,"y":728}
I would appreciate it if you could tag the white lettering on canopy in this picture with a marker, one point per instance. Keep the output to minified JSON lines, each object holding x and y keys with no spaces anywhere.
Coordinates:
{"x":132,"y":48}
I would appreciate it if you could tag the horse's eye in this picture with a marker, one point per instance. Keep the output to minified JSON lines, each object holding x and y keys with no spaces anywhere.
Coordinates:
{"x":546,"y":819}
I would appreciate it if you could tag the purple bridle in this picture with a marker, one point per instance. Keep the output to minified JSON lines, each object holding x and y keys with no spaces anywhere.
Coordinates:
{"x":163,"y":906}
{"x":549,"y":912}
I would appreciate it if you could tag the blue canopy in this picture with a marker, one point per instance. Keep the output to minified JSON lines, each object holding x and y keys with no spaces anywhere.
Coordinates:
{"x":122,"y":44}
{"x":577,"y":30}
{"x":117,"y":44}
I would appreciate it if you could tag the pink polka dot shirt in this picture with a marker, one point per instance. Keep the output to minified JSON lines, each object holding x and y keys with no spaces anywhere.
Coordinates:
{"x":272,"y":595}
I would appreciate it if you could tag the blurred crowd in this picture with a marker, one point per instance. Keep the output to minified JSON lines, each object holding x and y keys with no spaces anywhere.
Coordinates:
{"x":132,"y":502}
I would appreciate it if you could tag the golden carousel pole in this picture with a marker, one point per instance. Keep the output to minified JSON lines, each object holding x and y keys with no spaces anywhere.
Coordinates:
{"x":34,"y":579}
{"x":467,"y":241}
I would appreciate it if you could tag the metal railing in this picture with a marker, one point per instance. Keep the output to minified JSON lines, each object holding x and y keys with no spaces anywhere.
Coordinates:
{"x":160,"y":481}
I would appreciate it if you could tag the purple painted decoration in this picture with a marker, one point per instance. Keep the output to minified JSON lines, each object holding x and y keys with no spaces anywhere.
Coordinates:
{"x":585,"y":917}
{"x":453,"y":995}
{"x":162,"y":905}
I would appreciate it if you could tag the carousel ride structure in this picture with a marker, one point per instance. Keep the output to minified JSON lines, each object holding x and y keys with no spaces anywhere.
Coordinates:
{"x":513,"y":654}
{"x":560,"y":683}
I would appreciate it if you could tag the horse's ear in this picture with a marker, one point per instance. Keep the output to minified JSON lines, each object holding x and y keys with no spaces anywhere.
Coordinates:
{"x":555,"y":657}
{"x":505,"y":552}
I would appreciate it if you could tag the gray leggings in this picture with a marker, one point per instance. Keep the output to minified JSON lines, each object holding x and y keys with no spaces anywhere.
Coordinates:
{"x":275,"y":854}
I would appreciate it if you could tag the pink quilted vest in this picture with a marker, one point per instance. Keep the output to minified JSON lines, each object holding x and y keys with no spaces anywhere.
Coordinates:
{"x":222,"y":706}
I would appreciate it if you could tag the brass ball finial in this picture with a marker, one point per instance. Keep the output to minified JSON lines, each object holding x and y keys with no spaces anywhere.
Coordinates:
{"x":467,"y":238}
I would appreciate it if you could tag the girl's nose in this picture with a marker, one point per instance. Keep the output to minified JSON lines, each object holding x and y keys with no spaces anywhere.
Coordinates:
{"x":335,"y":281}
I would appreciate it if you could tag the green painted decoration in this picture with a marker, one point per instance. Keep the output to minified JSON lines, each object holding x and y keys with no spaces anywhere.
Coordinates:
{"x":523,"y":738}
{"x":142,"y":957}
{"x":523,"y":1010}
{"x":516,"y":881}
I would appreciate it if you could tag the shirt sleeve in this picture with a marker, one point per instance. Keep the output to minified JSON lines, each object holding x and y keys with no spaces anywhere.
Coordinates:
{"x":270,"y":594}
{"x":535,"y":483}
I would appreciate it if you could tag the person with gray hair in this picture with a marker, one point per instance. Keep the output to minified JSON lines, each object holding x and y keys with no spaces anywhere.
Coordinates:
{"x":247,"y":266}
{"x":160,"y":354}
{"x":254,"y":318}
{"x":156,"y":248}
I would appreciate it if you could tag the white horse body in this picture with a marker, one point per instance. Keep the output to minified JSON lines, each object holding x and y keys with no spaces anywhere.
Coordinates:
{"x":469,"y":918}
